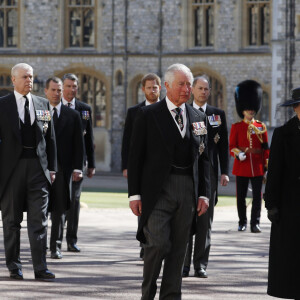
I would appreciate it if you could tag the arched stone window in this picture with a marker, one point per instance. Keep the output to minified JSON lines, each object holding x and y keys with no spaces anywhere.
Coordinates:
{"x":93,"y":89}
{"x":6,"y":86}
{"x":93,"y":92}
{"x":216,"y":97}
{"x":264,"y":113}
{"x":139,"y":95}
{"x":119,"y":78}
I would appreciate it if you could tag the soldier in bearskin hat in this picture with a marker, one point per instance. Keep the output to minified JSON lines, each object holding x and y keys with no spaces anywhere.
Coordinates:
{"x":282,"y":200}
{"x":248,"y":144}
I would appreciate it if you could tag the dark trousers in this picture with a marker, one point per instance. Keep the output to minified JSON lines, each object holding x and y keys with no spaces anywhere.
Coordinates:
{"x":241,"y":193}
{"x":72,"y":216}
{"x":57,"y":230}
{"x":58,"y":208}
{"x":27,"y":188}
{"x":203,"y":232}
{"x":167,"y":231}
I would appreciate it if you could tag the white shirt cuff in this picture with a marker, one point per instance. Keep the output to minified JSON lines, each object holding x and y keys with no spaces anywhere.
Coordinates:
{"x":77,"y":171}
{"x":135,"y":197}
{"x":203,"y":197}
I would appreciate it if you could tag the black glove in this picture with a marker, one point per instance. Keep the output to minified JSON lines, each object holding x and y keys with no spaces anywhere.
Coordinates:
{"x":273,"y":215}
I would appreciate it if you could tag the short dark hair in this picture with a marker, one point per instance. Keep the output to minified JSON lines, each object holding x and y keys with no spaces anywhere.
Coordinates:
{"x":151,"y":76}
{"x":296,"y":105}
{"x":204,"y":77}
{"x":70,"y":76}
{"x":54,"y":79}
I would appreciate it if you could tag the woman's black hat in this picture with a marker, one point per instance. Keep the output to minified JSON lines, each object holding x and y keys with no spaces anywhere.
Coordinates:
{"x":295,"y":93}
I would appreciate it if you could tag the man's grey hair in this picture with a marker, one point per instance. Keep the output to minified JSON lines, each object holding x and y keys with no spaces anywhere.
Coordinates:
{"x":70,"y":76}
{"x":17,"y":67}
{"x":202,"y":77}
{"x":170,"y":73}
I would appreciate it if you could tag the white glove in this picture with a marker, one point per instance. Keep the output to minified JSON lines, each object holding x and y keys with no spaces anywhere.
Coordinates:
{"x":242,"y":156}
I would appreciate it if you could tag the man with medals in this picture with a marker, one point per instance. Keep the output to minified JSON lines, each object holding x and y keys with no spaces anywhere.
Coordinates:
{"x":168,"y":181}
{"x":69,"y":142}
{"x":248,"y":144}
{"x":218,"y":153}
{"x":28,"y":165}
{"x":70,"y":87}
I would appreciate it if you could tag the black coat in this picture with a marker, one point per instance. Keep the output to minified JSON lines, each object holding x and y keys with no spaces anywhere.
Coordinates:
{"x":69,"y":142}
{"x":87,"y":127}
{"x":217,"y":142}
{"x":151,"y":156}
{"x":283,"y":191}
{"x":10,"y":139}
{"x":131,"y":113}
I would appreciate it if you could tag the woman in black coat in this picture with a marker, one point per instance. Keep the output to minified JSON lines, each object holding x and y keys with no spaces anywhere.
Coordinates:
{"x":282,"y":199}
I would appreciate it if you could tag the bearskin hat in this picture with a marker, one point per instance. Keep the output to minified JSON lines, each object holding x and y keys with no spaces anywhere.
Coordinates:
{"x":248,"y":96}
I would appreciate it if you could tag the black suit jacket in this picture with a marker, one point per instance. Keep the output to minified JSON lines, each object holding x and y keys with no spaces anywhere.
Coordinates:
{"x":10,"y":139}
{"x":151,"y":156}
{"x":70,"y":149}
{"x":87,"y":127}
{"x":218,"y":141}
{"x":131,"y":113}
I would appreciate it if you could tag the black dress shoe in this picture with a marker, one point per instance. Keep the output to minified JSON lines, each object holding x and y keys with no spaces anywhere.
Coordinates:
{"x":44,"y":274}
{"x":201,"y":273}
{"x":185,"y":272}
{"x":56,"y":255}
{"x":242,"y":227}
{"x":255,"y":229}
{"x":16,"y":274}
{"x":73,"y":248}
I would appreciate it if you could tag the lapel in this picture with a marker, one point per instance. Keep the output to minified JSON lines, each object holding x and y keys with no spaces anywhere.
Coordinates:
{"x":193,"y":117}
{"x":12,"y":112}
{"x":61,"y":122}
{"x":38,"y":105}
{"x":165,"y":124}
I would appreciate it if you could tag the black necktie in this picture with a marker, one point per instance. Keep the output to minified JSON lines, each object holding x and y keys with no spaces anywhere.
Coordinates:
{"x":201,"y":109}
{"x":26,"y":112}
{"x":178,"y":117}
{"x":69,"y":104}
{"x":55,"y":116}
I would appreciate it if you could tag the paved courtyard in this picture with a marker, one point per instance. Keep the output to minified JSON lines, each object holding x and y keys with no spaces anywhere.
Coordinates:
{"x":109,"y":268}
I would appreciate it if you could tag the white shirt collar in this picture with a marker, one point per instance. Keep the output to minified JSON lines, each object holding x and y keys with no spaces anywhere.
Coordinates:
{"x":172,"y":106}
{"x":20,"y":101}
{"x":195,"y":105}
{"x":58,"y":108}
{"x":65,"y":102}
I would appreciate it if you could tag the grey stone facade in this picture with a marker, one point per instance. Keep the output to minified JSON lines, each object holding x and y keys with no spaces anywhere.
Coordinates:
{"x":42,"y":45}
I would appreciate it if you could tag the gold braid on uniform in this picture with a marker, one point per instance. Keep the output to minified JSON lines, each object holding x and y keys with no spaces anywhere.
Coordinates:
{"x":257,"y":131}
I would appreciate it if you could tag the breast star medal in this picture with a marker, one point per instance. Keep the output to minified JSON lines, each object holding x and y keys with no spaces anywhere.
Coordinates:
{"x":201,"y":148}
{"x":216,"y":138}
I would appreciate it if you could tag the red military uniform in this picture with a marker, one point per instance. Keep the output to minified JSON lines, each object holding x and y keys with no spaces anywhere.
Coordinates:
{"x":251,"y":138}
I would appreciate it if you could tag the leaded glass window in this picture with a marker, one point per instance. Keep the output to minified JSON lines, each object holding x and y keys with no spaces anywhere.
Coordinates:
{"x":9,"y":31}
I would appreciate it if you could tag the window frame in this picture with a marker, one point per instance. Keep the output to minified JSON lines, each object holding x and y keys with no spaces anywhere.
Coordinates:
{"x":7,"y":8}
{"x":82,"y":7}
{"x":205,"y":27}
{"x":247,"y":32}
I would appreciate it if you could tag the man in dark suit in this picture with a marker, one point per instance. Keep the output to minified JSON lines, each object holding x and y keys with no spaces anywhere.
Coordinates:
{"x":28,"y":165}
{"x":70,"y":87}
{"x":151,"y":86}
{"x":218,"y":153}
{"x":69,"y":143}
{"x":168,"y":179}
